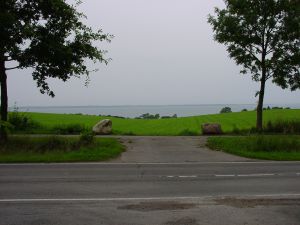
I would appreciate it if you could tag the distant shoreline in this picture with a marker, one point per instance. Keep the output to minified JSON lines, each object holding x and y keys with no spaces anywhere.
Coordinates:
{"x":132,"y":111}
{"x":167,"y":105}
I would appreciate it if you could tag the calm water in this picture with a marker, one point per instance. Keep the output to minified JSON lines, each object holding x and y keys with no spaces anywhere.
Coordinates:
{"x":134,"y":111}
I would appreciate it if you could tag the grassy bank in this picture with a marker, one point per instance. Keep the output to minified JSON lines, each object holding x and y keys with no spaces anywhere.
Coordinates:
{"x":58,"y":149}
{"x":259,"y":147}
{"x":237,"y":122}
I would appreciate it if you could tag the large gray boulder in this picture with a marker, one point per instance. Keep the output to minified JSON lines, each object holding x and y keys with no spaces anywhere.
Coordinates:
{"x":211,"y":128}
{"x":103,"y":127}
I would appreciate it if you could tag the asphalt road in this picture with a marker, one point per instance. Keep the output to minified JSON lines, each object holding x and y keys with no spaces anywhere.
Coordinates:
{"x":150,"y":193}
{"x":171,"y":150}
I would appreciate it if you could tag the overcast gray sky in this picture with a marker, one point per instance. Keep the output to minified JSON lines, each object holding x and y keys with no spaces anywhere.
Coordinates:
{"x":163,"y":53}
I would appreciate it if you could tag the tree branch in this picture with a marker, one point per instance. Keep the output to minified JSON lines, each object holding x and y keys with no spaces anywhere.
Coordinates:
{"x":251,"y":53}
{"x":270,"y":74}
{"x":7,"y":58}
{"x":255,"y":47}
{"x":269,"y":31}
{"x":270,"y":51}
{"x":12,"y":68}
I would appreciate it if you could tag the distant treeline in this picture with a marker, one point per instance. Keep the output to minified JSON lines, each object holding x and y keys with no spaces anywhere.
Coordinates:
{"x":143,"y":116}
{"x":156,"y":116}
{"x":228,"y":109}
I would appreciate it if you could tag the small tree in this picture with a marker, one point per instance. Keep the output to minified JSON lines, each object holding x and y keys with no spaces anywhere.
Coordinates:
{"x":48,"y":36}
{"x":226,"y":110}
{"x":263,"y":36}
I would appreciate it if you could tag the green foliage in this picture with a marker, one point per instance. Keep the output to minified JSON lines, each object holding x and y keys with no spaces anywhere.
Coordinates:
{"x":277,"y":107}
{"x":264,"y":38}
{"x":148,"y":116}
{"x":52,"y":143}
{"x":269,"y":108}
{"x":283,"y":126}
{"x":75,"y":128}
{"x":5,"y":124}
{"x":168,"y":117}
{"x":50,"y":37}
{"x":236,"y":130}
{"x":274,"y":144}
{"x":22,"y":122}
{"x":87,"y":137}
{"x":58,"y":149}
{"x":261,"y":147}
{"x":276,"y":126}
{"x":187,"y":132}
{"x":226,"y":110}
{"x":262,"y":35}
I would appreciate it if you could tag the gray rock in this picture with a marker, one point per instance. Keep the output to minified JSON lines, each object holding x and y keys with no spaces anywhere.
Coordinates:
{"x":211,"y":128}
{"x":103,"y":127}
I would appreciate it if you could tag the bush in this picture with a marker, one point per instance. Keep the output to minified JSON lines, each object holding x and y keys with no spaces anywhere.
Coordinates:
{"x":226,"y":110}
{"x":281,"y":126}
{"x":236,"y":130}
{"x":272,"y":147}
{"x":187,"y":132}
{"x":148,"y":116}
{"x":52,"y":143}
{"x":273,"y":144}
{"x":87,"y":137}
{"x":57,"y":149}
{"x":277,"y":107}
{"x":21,"y":122}
{"x":69,"y":129}
{"x":169,"y":117}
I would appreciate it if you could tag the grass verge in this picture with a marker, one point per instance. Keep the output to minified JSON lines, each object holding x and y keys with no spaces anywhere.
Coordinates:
{"x":273,"y":147}
{"x":58,"y":149}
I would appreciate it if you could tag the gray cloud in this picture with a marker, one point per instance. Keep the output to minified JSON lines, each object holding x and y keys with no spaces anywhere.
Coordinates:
{"x":163,"y":53}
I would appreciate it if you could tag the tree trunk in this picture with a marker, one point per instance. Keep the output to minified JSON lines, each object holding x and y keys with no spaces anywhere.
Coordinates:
{"x":259,"y":110}
{"x":4,"y":104}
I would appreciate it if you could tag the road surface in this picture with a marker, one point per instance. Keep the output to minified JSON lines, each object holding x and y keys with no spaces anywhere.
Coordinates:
{"x":171,"y":150}
{"x":183,"y":193}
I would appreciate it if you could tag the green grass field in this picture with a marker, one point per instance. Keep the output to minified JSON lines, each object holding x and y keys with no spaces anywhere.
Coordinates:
{"x":260,"y":147}
{"x":58,"y":149}
{"x":174,"y":126}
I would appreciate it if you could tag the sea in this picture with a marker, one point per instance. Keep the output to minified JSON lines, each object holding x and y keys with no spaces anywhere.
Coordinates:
{"x":132,"y":111}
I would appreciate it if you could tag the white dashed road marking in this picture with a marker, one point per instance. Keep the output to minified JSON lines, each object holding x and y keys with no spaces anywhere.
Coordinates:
{"x":224,"y":175}
{"x":256,"y":175}
{"x":193,"y":176}
{"x":232,"y":175}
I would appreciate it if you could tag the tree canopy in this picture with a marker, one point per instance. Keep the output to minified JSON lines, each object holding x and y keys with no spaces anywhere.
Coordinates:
{"x":262,"y":36}
{"x":48,"y":36}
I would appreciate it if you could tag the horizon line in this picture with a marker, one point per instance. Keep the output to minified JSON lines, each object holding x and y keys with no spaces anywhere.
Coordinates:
{"x":150,"y":105}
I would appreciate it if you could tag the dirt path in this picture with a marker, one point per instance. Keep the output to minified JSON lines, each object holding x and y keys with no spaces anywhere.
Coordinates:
{"x":171,"y":150}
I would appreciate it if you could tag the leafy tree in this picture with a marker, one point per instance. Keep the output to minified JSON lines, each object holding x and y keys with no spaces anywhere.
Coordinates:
{"x":226,"y":110}
{"x":263,"y":36}
{"x":48,"y":36}
{"x":148,"y":116}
